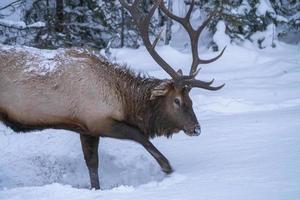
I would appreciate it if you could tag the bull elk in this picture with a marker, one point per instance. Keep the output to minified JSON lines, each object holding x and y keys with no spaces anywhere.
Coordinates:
{"x":88,"y":95}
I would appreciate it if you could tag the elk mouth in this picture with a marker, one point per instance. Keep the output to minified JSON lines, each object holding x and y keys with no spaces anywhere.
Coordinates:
{"x":195,"y":131}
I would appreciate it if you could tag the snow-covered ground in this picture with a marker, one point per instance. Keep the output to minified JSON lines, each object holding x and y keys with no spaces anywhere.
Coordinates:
{"x":249,"y":147}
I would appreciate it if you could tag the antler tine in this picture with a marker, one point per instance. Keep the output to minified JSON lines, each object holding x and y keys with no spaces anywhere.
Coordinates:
{"x":204,"y":84}
{"x":193,"y":34}
{"x":212,"y":59}
{"x":185,"y":22}
{"x":206,"y":22}
{"x":195,"y":73}
{"x":199,"y":84}
{"x":143,"y":26}
{"x":181,"y":20}
{"x":136,"y":3}
{"x":196,"y":59}
{"x":157,"y":38}
{"x":199,"y":31}
{"x":128,"y":7}
{"x":188,"y":14}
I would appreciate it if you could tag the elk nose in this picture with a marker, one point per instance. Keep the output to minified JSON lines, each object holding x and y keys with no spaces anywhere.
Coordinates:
{"x":197,"y":130}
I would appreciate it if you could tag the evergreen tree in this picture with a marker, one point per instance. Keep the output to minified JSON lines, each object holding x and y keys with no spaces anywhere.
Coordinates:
{"x":256,"y":20}
{"x":97,"y":23}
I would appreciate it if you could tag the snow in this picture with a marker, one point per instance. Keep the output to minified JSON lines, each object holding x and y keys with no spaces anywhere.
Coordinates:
{"x":10,"y":23}
{"x":13,"y":14}
{"x":37,"y":25}
{"x":243,"y":8}
{"x":220,"y":37}
{"x":20,"y":24}
{"x":42,"y":61}
{"x":263,"y":7}
{"x":249,"y":147}
{"x":267,"y":37}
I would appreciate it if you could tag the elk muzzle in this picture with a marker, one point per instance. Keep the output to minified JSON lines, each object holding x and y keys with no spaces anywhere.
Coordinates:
{"x":193,"y":131}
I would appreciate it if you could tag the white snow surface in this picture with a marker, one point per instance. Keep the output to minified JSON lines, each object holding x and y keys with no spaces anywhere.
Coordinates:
{"x":263,"y":7}
{"x":11,"y":23}
{"x":220,"y":37}
{"x":10,"y":13}
{"x":249,"y":147}
{"x":267,"y":37}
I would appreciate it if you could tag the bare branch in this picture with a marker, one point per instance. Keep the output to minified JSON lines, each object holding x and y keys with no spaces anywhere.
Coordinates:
{"x":11,"y":4}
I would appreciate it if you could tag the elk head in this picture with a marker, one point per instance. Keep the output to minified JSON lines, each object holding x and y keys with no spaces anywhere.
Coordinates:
{"x":175,"y":92}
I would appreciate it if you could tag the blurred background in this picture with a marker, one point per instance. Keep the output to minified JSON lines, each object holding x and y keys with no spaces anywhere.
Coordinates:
{"x":104,"y":23}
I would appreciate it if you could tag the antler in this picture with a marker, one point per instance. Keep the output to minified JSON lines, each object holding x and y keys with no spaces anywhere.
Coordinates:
{"x":143,"y":22}
{"x":194,"y":39}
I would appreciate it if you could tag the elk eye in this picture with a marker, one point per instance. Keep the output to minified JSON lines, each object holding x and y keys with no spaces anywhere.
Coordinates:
{"x":177,"y":102}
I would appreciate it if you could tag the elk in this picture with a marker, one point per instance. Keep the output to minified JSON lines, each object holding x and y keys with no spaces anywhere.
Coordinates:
{"x":95,"y":98}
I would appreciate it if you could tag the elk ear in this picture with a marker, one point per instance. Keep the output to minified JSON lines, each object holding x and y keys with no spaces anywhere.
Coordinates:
{"x":162,"y":89}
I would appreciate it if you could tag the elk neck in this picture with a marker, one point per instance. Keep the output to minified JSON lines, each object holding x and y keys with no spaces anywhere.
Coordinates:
{"x":140,"y":111}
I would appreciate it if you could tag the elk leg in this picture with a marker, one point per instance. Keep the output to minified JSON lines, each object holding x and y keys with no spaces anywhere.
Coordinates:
{"x":121,"y":130}
{"x":90,"y":151}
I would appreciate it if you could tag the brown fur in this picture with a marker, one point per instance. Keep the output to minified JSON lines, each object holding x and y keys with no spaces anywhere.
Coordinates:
{"x":87,"y":94}
{"x":132,"y":90}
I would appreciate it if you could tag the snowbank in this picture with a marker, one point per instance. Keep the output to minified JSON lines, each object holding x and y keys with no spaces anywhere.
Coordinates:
{"x":249,"y":148}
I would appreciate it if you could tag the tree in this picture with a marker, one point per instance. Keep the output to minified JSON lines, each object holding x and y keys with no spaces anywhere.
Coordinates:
{"x":59,"y":16}
{"x":169,"y":24}
{"x":97,"y":23}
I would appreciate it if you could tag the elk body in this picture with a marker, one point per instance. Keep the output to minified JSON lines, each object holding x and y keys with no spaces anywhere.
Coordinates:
{"x":76,"y":90}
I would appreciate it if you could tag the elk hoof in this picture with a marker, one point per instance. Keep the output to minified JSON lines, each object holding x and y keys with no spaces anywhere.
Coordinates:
{"x":95,"y":188}
{"x":167,"y":169}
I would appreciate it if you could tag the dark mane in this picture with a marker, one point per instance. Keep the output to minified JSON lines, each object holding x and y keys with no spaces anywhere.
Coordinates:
{"x":141,"y":112}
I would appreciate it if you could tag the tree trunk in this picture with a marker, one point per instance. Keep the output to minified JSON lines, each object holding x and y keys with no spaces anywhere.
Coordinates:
{"x":59,"y":16}
{"x":169,"y":25}
{"x":122,"y":26}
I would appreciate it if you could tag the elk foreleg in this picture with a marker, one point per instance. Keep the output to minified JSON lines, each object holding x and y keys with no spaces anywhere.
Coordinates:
{"x":90,"y":151}
{"x":121,"y":130}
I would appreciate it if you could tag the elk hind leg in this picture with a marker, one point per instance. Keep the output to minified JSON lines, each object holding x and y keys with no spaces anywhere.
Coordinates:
{"x":90,"y":151}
